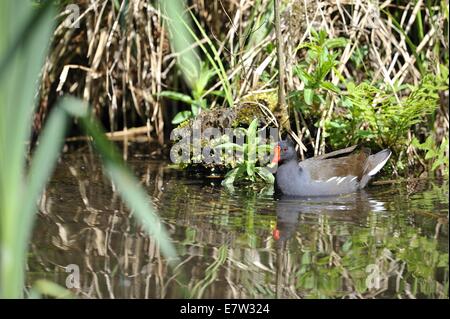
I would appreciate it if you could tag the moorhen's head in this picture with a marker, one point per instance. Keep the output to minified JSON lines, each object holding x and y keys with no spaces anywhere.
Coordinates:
{"x":284,"y":151}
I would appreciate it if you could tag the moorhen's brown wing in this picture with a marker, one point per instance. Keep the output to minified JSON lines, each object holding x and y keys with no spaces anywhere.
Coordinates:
{"x":324,"y":167}
{"x":343,"y":151}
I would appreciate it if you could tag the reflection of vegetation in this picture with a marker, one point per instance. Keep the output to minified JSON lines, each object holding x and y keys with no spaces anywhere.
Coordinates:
{"x":409,"y":262}
{"x":211,"y":273}
{"x":227,"y":247}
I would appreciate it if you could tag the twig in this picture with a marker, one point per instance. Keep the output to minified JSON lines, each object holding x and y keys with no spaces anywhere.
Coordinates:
{"x":281,"y":64}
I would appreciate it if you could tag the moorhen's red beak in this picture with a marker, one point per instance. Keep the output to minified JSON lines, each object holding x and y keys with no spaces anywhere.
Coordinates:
{"x":276,"y":234}
{"x":276,"y":156}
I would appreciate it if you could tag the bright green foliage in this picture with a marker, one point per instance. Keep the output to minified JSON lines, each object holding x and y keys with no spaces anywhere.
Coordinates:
{"x":324,"y":61}
{"x":20,"y":62}
{"x":379,"y":116}
{"x":376,"y":114}
{"x":436,"y":155}
{"x":181,"y":40}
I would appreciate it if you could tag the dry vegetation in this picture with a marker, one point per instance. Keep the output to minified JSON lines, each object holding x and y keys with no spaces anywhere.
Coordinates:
{"x":120,"y":60}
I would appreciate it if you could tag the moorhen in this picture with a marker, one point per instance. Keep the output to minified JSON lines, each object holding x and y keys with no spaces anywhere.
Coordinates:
{"x":338,"y":172}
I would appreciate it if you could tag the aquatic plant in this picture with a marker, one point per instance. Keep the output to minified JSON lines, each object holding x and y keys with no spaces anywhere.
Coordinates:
{"x":197,"y":101}
{"x":246,"y":167}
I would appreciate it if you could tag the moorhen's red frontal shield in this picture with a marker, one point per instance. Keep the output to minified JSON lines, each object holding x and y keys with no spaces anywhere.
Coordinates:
{"x":276,"y":154}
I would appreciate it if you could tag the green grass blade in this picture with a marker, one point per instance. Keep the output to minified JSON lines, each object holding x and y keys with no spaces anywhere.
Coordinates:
{"x":215,"y":61}
{"x":188,"y":60}
{"x":17,"y":235}
{"x":21,"y":62}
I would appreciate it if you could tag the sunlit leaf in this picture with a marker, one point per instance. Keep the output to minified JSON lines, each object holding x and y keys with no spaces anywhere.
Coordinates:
{"x":181,"y":117}
{"x":309,"y":96}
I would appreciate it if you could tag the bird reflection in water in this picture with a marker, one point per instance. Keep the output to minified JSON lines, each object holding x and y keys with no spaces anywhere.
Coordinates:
{"x":291,"y":212}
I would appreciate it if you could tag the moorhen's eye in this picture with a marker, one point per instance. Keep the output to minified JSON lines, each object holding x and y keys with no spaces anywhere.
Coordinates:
{"x":285,"y":149}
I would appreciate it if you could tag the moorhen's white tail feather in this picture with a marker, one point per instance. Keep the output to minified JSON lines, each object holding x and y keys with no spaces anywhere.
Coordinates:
{"x":373,"y":165}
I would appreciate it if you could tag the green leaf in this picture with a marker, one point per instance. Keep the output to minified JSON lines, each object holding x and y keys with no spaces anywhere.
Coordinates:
{"x":330,"y":86}
{"x":305,"y":77}
{"x":335,"y":43}
{"x":262,"y":149}
{"x":176,"y":96}
{"x":215,"y":59}
{"x":182,"y":40}
{"x":229,"y":145}
{"x":338,"y":125}
{"x":309,"y":96}
{"x":250,"y":168}
{"x":347,"y":245}
{"x":137,"y":200}
{"x":195,"y":110}
{"x":43,"y":163}
{"x":444,"y":72}
{"x":430,"y":154}
{"x":231,"y":176}
{"x":365,"y":133}
{"x":128,"y":186}
{"x":48,"y":288}
{"x":324,"y":69}
{"x":265,"y":175}
{"x":24,"y":38}
{"x":251,"y":143}
{"x":436,"y":164}
{"x":181,"y":117}
{"x":324,"y":56}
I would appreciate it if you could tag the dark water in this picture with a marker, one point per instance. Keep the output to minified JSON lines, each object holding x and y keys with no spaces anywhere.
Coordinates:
{"x":390,"y":241}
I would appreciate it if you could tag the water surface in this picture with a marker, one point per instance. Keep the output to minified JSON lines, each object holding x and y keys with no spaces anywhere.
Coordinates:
{"x":390,"y":241}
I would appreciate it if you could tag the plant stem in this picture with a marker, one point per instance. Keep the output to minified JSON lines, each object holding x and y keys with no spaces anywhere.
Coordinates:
{"x":281,"y":65}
